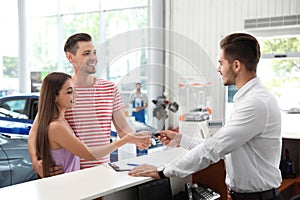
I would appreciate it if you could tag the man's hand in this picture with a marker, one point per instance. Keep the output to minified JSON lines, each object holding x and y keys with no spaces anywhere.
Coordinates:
{"x":56,"y":170}
{"x":145,"y":170}
{"x":38,"y":168}
{"x":170,"y":138}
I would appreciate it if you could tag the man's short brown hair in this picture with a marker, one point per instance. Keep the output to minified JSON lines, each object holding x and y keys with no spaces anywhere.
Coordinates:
{"x":242,"y":47}
{"x":71,"y":44}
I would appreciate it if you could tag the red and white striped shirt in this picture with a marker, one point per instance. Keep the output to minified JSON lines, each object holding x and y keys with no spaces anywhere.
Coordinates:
{"x":92,"y":115}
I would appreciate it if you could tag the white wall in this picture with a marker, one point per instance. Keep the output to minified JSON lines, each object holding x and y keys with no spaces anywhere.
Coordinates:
{"x":206,"y":22}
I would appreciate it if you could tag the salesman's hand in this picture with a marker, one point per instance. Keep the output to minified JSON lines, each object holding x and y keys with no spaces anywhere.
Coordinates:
{"x":145,"y":170}
{"x":170,"y":138}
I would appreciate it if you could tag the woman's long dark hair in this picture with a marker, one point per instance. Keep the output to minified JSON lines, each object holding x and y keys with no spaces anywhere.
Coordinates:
{"x":48,"y":111}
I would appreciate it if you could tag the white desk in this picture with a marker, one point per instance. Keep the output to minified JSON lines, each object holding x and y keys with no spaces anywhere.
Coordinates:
{"x":89,"y":183}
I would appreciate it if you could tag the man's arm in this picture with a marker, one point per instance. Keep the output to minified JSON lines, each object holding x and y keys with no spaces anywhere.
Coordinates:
{"x":145,"y":99}
{"x":121,"y":124}
{"x":37,"y":166}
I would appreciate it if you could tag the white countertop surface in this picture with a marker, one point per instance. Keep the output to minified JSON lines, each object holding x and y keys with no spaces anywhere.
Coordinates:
{"x":88,"y":183}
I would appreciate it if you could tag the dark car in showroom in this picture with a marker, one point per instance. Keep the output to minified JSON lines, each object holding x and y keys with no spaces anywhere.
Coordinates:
{"x":16,"y":117}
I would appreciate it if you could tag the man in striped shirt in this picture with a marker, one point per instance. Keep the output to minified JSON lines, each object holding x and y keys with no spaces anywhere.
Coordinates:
{"x":97,"y":103}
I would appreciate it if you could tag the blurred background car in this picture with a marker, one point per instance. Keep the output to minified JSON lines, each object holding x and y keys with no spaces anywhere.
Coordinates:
{"x":15,"y":163}
{"x":198,"y":114}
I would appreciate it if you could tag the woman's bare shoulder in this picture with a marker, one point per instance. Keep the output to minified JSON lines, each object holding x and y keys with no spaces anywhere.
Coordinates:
{"x":57,"y":126}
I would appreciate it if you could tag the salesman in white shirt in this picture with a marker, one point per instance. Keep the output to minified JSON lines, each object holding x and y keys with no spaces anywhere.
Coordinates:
{"x":250,"y":142}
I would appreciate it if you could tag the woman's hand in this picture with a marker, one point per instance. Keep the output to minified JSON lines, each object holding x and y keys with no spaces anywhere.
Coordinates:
{"x":141,"y":139}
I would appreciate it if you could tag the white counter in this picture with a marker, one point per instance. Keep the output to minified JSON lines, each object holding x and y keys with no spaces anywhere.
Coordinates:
{"x":89,"y":183}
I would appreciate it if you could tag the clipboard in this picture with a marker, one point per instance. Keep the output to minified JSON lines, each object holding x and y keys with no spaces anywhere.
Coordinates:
{"x":119,"y":167}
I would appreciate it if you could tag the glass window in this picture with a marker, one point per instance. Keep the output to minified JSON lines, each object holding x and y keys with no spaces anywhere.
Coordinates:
{"x":42,"y":42}
{"x":78,"y":6}
{"x":280,"y":73}
{"x":9,"y":46}
{"x":119,"y":22}
{"x":232,"y":90}
{"x":283,"y":82}
{"x":49,"y":23}
{"x":117,"y":4}
{"x":82,"y":22}
{"x":37,"y":8}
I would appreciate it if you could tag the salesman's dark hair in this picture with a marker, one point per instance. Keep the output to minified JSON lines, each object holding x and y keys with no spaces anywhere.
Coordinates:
{"x":242,"y":47}
{"x":71,"y":44}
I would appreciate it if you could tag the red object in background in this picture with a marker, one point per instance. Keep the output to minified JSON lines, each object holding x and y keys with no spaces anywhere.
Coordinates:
{"x":176,"y":129}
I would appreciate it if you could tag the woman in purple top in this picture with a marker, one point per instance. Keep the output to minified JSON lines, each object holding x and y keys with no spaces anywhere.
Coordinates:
{"x":56,"y":142}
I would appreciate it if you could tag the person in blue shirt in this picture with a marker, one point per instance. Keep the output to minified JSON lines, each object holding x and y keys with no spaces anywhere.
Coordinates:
{"x":139,"y":102}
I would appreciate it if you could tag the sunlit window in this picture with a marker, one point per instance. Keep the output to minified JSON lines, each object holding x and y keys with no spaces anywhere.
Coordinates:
{"x":49,"y":23}
{"x":126,"y":20}
{"x":279,"y":70}
{"x":9,"y":47}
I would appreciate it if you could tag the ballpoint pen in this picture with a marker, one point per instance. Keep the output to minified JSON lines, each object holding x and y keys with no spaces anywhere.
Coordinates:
{"x":132,"y":164}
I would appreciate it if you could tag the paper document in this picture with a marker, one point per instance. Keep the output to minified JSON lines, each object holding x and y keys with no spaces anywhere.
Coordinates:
{"x":158,"y":159}
{"x":122,"y":166}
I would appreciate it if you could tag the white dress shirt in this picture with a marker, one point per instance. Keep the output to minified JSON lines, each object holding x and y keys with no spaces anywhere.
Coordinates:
{"x":250,"y":143}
